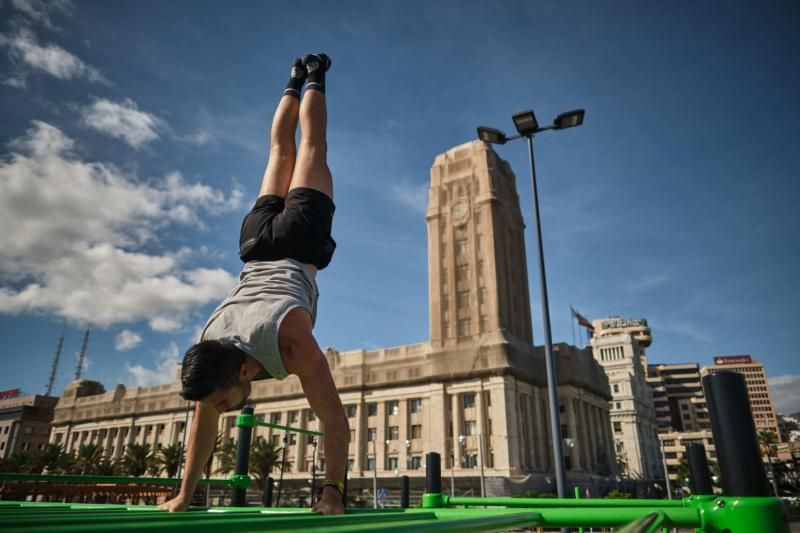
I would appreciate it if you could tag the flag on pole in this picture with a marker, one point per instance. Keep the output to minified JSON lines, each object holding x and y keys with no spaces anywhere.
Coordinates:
{"x":581,"y":319}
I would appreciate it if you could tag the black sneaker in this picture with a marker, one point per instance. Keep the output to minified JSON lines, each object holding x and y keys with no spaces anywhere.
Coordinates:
{"x":316,"y":62}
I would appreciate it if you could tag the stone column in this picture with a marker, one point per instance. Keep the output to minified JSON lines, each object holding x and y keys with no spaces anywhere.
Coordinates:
{"x":403,"y":435}
{"x":481,"y":426}
{"x":361,"y":436}
{"x":457,"y":420}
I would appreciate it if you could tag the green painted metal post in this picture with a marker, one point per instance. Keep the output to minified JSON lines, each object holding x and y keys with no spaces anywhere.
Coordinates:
{"x":245,"y":421}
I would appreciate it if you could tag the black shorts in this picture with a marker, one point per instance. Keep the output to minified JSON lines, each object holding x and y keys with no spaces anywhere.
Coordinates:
{"x":297,"y":227}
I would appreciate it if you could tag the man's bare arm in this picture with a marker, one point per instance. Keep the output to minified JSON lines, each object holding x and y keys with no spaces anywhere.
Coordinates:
{"x":320,"y":389}
{"x":198,"y":449}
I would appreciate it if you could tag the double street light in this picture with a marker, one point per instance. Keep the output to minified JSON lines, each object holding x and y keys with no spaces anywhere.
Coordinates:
{"x":527,"y":126}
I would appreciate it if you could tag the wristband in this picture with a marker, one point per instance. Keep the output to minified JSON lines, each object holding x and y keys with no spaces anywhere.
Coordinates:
{"x":335,"y":484}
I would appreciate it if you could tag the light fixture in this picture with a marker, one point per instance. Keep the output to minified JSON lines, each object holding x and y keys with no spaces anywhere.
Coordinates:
{"x":491,"y":135}
{"x":525,"y":121}
{"x":569,"y":119}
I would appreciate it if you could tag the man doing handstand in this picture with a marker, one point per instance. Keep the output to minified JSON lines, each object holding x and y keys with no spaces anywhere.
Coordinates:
{"x":263,"y":327}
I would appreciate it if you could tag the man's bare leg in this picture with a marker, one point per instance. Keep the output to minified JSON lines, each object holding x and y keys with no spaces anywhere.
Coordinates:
{"x":282,"y":150}
{"x":311,"y":169}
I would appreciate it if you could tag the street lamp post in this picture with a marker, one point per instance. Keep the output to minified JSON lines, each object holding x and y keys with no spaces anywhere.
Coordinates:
{"x":480,"y":456}
{"x":666,"y":472}
{"x":527,"y":126}
{"x":374,"y":473}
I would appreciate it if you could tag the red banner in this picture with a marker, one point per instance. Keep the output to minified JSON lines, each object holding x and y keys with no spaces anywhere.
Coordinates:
{"x":8,"y":394}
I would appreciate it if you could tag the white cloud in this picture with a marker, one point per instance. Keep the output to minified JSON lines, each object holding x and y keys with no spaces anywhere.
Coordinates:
{"x":200,"y":138}
{"x":127,"y":340}
{"x":123,"y":121}
{"x":40,"y":10}
{"x":74,"y":234}
{"x":786,"y":393}
{"x":166,"y":362}
{"x":25,"y":51}
{"x":410,"y":195}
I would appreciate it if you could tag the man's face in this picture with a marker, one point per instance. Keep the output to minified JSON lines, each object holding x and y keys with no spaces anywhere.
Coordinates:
{"x":230,"y":399}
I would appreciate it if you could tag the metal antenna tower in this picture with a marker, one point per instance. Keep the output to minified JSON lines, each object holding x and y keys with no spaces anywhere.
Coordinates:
{"x":53,"y":369}
{"x":83,"y":353}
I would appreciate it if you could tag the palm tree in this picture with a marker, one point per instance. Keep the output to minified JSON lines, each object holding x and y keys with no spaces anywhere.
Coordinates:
{"x":227,"y":458}
{"x":264,"y":455}
{"x":682,"y":471}
{"x":67,"y":464}
{"x":88,"y":457}
{"x":46,"y":458}
{"x":137,"y":459}
{"x":767,"y":441}
{"x":170,"y":458}
{"x":107,"y":466}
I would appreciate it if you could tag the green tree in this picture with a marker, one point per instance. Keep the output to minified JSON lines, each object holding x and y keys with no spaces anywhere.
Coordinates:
{"x":45,"y":459}
{"x":264,"y":456}
{"x":108,"y":466}
{"x":170,"y":457}
{"x":88,"y":457}
{"x":67,"y":464}
{"x":227,"y":458}
{"x":137,"y":458}
{"x":768,"y":441}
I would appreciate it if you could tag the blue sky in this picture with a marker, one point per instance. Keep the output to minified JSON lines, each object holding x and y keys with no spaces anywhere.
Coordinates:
{"x":134,"y":136}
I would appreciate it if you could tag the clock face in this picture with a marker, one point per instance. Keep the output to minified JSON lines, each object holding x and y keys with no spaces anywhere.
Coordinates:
{"x":459,"y":211}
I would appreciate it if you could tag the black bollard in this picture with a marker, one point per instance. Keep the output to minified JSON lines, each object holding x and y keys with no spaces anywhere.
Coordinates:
{"x":242,"y":458}
{"x":433,"y":473}
{"x":699,"y":474}
{"x":268,"y":492}
{"x":734,"y":433}
{"x":404,"y":493}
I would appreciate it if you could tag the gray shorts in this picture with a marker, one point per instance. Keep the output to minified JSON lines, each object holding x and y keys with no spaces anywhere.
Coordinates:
{"x":251,"y":315}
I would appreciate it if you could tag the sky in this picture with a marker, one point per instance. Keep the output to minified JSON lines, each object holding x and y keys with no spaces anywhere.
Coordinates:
{"x":134,"y":136}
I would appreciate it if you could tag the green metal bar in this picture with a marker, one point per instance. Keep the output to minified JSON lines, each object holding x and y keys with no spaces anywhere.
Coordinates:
{"x":222,"y":522}
{"x":539,"y":503}
{"x":248,"y":420}
{"x":618,"y":517}
{"x":578,"y":497}
{"x":500,"y":522}
{"x":111,"y":480}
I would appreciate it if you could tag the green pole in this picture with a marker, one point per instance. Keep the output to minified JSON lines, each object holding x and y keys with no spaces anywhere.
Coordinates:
{"x":578,"y":497}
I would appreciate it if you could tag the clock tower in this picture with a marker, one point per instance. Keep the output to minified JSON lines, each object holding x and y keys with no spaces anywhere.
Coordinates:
{"x":477,"y":272}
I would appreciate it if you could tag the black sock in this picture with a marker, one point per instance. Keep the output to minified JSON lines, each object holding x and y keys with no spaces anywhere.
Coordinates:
{"x":296,"y":79}
{"x":316,"y":66}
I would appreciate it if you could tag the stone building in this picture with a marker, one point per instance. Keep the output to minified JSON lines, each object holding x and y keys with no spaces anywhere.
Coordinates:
{"x":475,"y":392}
{"x":25,"y":422}
{"x":758,"y":390}
{"x":618,"y":345}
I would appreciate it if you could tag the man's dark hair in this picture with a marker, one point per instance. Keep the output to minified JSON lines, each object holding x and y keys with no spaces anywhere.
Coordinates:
{"x":209,"y":366}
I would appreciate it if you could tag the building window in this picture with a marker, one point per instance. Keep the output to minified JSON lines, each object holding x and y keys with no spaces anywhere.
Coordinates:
{"x":480,"y":268}
{"x":292,"y":438}
{"x":617,"y":427}
{"x":370,"y":463}
{"x":416,"y":462}
{"x":463,"y":272}
{"x":352,"y":436}
{"x":561,"y":408}
{"x":483,"y":323}
{"x":275,"y":418}
{"x":416,"y":431}
{"x":372,"y":409}
{"x":416,"y":405}
{"x":392,"y":463}
{"x":276,"y":440}
{"x":471,"y":460}
{"x":464,"y":327}
{"x":619,"y":405}
{"x":470,"y":427}
{"x":393,"y":407}
{"x":671,"y":455}
{"x":293,"y":416}
{"x":468,"y":400}
{"x":372,"y":434}
{"x":311,"y":415}
{"x":616,"y":387}
{"x":351,"y":410}
{"x":393,"y":433}
{"x":461,"y":247}
{"x":350,"y":463}
{"x":463,"y":299}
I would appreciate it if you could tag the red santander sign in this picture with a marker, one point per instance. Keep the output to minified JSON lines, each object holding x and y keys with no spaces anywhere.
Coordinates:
{"x":8,"y":394}
{"x":733,"y":360}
